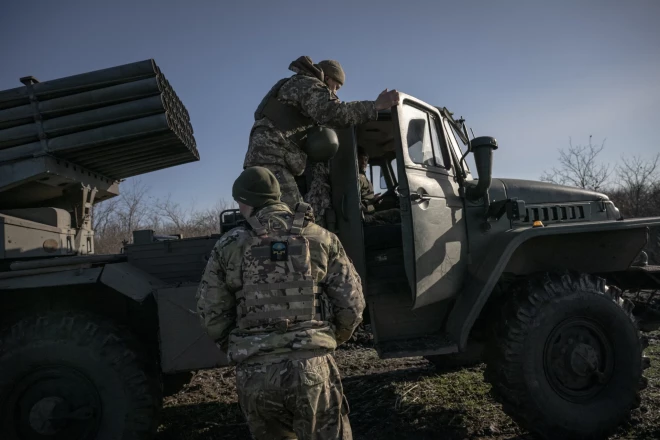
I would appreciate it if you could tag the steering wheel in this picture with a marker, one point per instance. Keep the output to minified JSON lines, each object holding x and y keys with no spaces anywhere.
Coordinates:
{"x":392,"y":192}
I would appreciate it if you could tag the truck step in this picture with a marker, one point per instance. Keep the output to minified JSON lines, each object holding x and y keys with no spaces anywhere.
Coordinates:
{"x":423,"y":346}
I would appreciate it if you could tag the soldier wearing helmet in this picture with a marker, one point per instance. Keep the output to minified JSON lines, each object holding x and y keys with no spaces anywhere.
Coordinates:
{"x":279,"y":296}
{"x":281,"y":140}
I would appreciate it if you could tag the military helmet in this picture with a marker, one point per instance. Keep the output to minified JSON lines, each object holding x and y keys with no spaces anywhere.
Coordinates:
{"x":322,"y":144}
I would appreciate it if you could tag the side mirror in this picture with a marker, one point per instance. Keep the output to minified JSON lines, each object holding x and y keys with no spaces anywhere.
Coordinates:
{"x":482,"y":148}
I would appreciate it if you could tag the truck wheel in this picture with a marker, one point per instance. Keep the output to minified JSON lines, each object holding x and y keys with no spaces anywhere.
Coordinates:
{"x":567,"y":362}
{"x":75,"y":376}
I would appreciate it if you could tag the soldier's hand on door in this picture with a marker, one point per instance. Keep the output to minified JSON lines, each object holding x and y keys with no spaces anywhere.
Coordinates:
{"x":387,"y":99}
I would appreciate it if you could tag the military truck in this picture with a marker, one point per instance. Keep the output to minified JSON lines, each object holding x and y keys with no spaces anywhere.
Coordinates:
{"x":531,"y":271}
{"x":82,"y":334}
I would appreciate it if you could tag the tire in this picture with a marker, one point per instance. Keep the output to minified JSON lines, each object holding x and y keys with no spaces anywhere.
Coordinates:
{"x":567,"y":360}
{"x":75,"y":376}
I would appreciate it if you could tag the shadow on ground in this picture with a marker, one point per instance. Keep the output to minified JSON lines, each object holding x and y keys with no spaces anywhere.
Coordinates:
{"x":203,"y":421}
{"x":378,"y":410}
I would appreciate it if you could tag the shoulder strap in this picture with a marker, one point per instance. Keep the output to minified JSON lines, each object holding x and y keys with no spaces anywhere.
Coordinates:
{"x":299,"y":218}
{"x":258,"y":228}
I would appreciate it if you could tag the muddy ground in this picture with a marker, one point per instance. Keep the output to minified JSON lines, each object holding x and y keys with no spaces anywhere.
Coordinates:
{"x":390,"y":399}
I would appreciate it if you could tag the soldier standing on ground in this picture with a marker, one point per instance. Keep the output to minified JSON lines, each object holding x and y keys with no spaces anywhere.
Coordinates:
{"x":279,"y":297}
{"x":293,"y":106}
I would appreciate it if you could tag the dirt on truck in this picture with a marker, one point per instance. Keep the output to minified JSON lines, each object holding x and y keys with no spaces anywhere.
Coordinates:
{"x":527,"y":276}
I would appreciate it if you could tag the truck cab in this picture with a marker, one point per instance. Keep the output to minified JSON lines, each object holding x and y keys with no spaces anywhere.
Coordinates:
{"x":428,"y":276}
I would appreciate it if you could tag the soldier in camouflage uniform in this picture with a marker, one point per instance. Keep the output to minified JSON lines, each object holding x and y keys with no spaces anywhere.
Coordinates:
{"x":294,"y":105}
{"x":319,"y":195}
{"x":369,"y":200}
{"x":367,"y":196}
{"x":279,"y":297}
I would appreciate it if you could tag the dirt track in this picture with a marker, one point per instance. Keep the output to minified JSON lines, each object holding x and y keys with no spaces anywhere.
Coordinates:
{"x":389,"y":399}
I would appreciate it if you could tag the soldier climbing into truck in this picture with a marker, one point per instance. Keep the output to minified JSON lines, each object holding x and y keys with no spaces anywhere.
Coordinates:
{"x":297,"y":108}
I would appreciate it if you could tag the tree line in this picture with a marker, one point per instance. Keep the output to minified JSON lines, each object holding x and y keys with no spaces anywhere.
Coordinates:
{"x":114,"y":220}
{"x":633,"y":184}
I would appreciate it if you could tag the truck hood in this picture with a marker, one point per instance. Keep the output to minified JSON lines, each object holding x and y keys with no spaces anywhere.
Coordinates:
{"x":533,"y":192}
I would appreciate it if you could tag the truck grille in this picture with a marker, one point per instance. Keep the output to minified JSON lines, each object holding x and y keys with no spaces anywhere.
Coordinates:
{"x":571,"y":212}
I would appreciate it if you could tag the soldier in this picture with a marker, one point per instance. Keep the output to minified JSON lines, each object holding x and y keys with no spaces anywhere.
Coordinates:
{"x":292,"y":107}
{"x":369,"y":200}
{"x":367,"y":197}
{"x":279,"y":297}
{"x":319,"y":195}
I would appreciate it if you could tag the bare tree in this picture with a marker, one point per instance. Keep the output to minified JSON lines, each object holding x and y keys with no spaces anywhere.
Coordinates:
{"x":578,"y":166}
{"x":103,"y":215}
{"x":116,"y":219}
{"x":172,"y":212}
{"x":134,"y":205}
{"x":638,"y":191}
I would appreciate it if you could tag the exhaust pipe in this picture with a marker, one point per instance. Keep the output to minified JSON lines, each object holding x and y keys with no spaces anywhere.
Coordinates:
{"x":482,"y":148}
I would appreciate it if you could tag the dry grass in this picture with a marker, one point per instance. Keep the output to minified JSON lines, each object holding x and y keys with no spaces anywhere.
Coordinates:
{"x":390,"y":399}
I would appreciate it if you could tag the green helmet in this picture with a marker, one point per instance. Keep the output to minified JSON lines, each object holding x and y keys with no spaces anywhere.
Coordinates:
{"x":321,"y":144}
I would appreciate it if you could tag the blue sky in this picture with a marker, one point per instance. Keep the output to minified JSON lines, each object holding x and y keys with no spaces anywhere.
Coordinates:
{"x":530,"y":73}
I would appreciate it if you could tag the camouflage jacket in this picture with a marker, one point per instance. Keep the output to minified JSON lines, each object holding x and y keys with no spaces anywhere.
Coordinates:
{"x":366,"y":192}
{"x":331,"y":269}
{"x":319,"y":195}
{"x":270,"y":146}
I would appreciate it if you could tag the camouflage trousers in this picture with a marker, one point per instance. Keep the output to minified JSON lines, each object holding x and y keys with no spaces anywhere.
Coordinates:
{"x":294,"y":399}
{"x":386,"y":217}
{"x":288,"y":186}
{"x":319,"y":195}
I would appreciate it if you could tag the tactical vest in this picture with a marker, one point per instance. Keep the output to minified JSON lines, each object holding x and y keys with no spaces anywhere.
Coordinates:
{"x":285,"y":117}
{"x":278,"y":288}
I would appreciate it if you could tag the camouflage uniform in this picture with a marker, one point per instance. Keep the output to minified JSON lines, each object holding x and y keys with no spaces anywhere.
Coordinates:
{"x":366,"y":193}
{"x":287,"y":381}
{"x":371,"y":216}
{"x":305,"y":91}
{"x":319,"y":194}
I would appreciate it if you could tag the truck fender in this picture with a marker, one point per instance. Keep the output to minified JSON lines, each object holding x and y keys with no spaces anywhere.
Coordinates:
{"x":50,"y":277}
{"x":185,"y":346}
{"x":130,"y":281}
{"x":482,"y":280}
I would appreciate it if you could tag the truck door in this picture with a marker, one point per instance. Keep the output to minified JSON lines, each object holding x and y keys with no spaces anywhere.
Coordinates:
{"x":434,"y":233}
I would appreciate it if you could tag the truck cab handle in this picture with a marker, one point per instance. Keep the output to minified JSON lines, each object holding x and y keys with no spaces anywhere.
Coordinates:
{"x":417,"y":197}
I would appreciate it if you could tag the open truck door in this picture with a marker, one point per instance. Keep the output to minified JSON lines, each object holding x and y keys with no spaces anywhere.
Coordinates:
{"x":432,"y":209}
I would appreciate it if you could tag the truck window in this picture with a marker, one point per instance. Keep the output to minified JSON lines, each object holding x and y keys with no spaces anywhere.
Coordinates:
{"x":424,"y":146}
{"x":455,"y":143}
{"x":440,"y":150}
{"x":373,"y":173}
{"x":383,"y":182}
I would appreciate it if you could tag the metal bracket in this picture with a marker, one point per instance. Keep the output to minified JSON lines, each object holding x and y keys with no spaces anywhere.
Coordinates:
{"x":511,"y":207}
{"x":29,"y":82}
{"x":515,"y":208}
